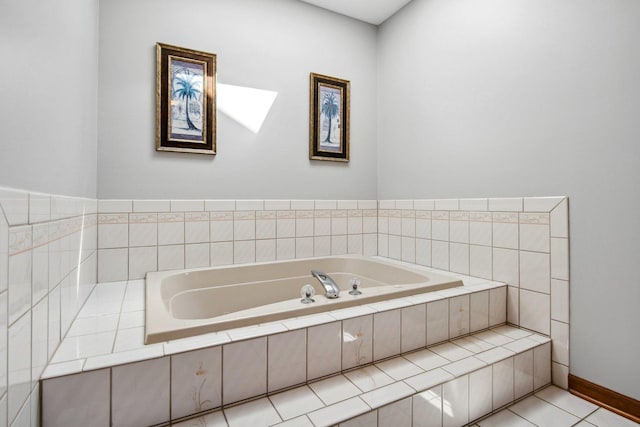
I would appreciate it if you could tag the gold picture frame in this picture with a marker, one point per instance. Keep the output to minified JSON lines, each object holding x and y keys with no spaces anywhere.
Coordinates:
{"x":185,"y":100}
{"x":329,"y":111}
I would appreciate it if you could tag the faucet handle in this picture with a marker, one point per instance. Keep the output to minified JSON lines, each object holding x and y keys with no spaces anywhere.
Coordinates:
{"x":307,"y":292}
{"x":355,"y":287}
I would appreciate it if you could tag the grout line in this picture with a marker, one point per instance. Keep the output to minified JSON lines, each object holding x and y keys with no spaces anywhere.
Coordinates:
{"x":564,"y":409}
{"x":110,"y":396}
{"x":222,"y":351}
{"x":170,"y":388}
{"x":517,"y":415}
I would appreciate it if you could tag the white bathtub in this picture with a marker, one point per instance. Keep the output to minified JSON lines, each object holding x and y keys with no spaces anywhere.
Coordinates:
{"x":185,"y":303}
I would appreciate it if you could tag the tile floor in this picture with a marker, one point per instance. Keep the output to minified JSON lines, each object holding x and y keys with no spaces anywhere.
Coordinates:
{"x":554,"y":407}
{"x":550,"y":407}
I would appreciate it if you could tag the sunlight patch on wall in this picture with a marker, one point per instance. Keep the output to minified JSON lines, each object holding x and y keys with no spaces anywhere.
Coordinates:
{"x":245,"y":105}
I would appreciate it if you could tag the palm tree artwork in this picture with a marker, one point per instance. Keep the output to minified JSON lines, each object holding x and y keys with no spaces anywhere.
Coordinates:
{"x":330,"y":108}
{"x":186,"y":88}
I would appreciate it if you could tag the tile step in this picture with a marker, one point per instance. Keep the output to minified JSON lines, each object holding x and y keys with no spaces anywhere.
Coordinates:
{"x":453,"y":383}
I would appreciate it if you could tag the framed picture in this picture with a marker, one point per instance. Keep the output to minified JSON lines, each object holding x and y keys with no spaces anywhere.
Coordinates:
{"x":329,"y":111}
{"x":185,"y":100}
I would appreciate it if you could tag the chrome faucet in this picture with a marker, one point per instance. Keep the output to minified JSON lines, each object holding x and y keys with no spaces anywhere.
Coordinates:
{"x":330,"y":287}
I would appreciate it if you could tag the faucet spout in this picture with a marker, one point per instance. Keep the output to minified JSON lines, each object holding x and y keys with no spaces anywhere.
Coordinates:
{"x":330,"y":287}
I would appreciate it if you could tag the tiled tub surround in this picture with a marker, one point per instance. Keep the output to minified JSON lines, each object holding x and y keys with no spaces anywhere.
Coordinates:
{"x":523,"y":242}
{"x":507,"y":259}
{"x":110,"y":367}
{"x":48,"y":263}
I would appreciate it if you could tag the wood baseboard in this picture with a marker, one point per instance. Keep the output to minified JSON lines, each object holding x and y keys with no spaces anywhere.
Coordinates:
{"x":623,"y":405}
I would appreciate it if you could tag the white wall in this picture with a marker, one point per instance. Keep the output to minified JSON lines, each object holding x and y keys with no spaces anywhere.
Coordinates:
{"x":492,"y":98}
{"x":49,"y":87}
{"x":270,"y":45}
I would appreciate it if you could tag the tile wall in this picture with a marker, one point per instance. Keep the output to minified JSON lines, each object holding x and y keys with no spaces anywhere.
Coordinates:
{"x":136,"y":236}
{"x":523,"y":242}
{"x":48,"y":263}
{"x":51,"y":254}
